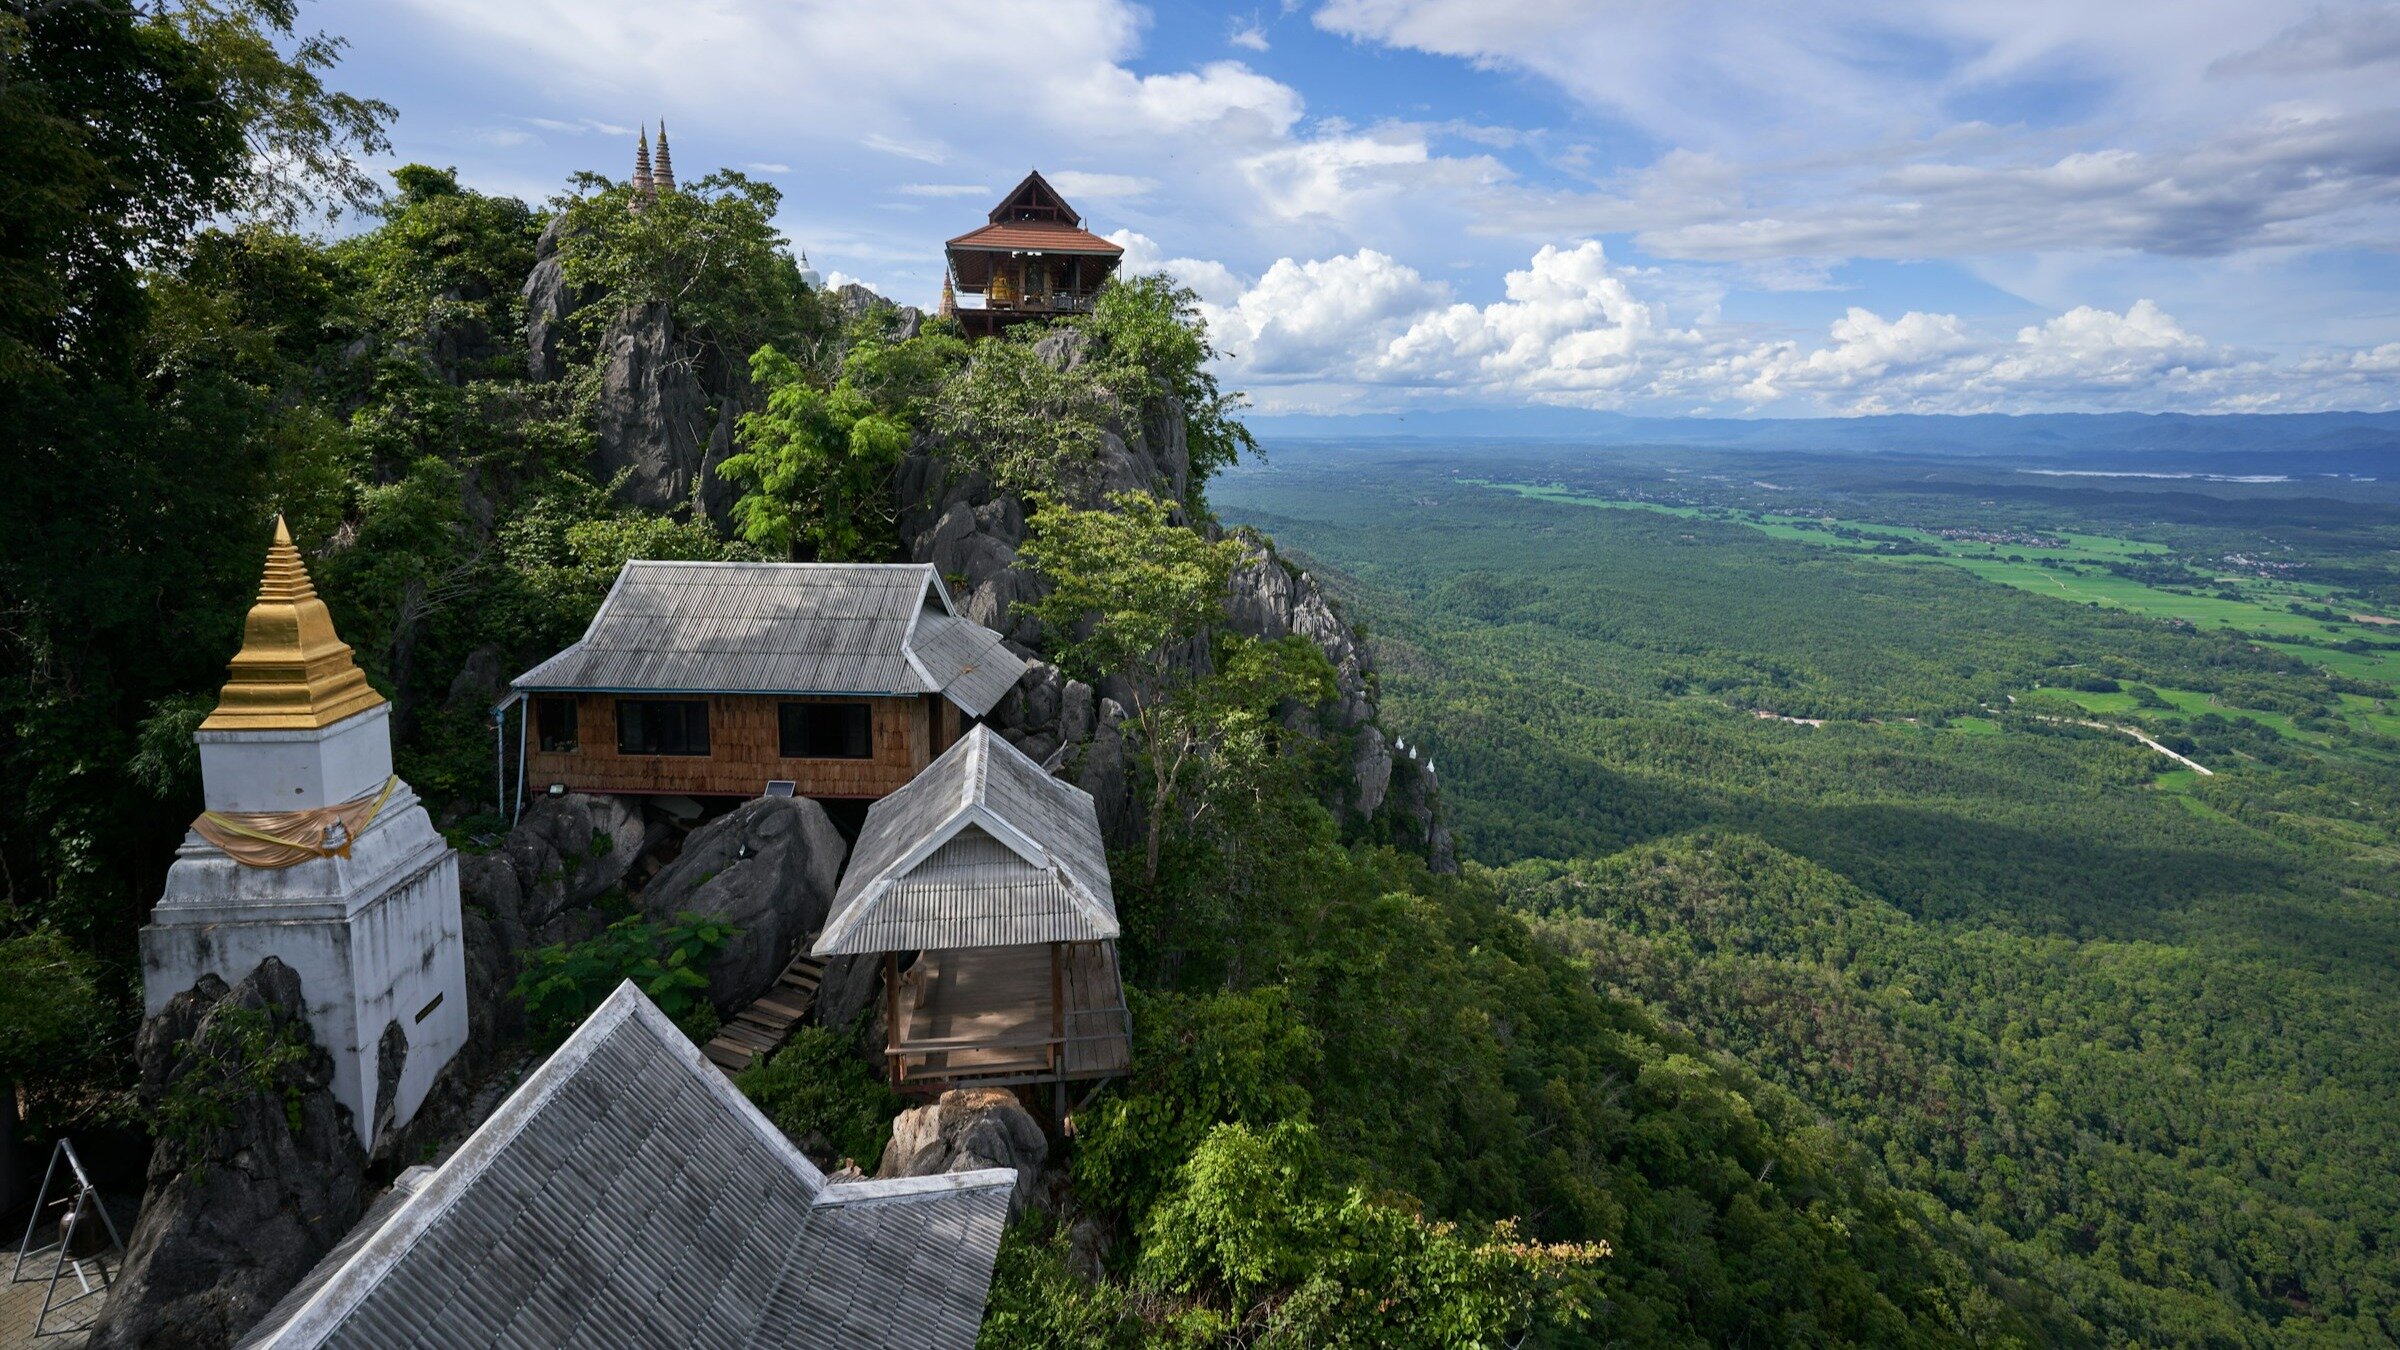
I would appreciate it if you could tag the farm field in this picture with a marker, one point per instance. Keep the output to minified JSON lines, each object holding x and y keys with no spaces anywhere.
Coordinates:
{"x":2077,"y":575}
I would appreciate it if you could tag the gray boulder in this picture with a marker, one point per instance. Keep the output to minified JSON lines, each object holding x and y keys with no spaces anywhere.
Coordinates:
{"x":769,"y":868}
{"x":479,"y":684}
{"x":854,"y":300}
{"x":495,"y":1017}
{"x":967,"y":1130}
{"x":849,"y":987}
{"x":1104,"y":769}
{"x":252,"y":1186}
{"x":563,"y":856}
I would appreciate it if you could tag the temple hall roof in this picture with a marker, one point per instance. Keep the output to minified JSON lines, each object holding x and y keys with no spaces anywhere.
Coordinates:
{"x":628,"y":1195}
{"x":782,"y":628}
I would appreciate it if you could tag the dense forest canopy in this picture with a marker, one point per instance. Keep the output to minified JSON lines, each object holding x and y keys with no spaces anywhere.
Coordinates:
{"x":2126,"y":1022}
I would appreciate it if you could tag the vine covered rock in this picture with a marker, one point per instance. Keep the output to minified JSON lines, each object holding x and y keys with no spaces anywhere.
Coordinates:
{"x":257,"y":1172}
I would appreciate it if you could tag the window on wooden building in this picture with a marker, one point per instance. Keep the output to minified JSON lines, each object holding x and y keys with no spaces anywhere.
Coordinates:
{"x":554,"y":717}
{"x":662,"y":726}
{"x":827,"y":730}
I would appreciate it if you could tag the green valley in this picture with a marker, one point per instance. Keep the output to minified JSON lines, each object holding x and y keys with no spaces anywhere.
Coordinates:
{"x":1836,"y":812}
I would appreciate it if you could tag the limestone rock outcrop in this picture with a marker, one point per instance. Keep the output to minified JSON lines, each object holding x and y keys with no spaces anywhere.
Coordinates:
{"x":652,"y":413}
{"x":970,"y":532}
{"x":967,"y":1130}
{"x":853,"y":300}
{"x":541,"y":885}
{"x":549,"y":300}
{"x":257,"y":1176}
{"x":769,"y":868}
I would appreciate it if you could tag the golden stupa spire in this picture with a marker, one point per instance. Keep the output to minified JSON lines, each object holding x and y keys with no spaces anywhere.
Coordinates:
{"x":292,"y":672}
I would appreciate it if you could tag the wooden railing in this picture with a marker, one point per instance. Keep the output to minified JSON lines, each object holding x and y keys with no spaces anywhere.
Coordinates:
{"x":1045,"y":1057}
{"x":1052,"y":302}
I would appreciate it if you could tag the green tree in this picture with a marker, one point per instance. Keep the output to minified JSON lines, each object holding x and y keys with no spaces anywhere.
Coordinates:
{"x":710,"y":251}
{"x":1030,"y":423}
{"x":1149,"y":341}
{"x":1252,"y":1213}
{"x":1131,"y":592}
{"x":50,"y":1010}
{"x":817,"y":465}
{"x":144,"y":437}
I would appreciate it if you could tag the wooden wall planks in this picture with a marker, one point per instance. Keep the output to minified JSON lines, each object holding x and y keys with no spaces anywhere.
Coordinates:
{"x":745,"y":751}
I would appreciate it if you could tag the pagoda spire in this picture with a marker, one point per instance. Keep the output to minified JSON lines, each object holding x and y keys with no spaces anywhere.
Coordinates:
{"x":641,"y":164}
{"x":664,"y":179}
{"x":293,"y":671}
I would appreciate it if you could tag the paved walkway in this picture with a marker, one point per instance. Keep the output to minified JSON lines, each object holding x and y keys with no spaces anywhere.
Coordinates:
{"x":21,"y":1303}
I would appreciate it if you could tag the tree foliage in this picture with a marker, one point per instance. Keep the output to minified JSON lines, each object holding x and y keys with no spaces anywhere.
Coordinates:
{"x":708,"y":251}
{"x":1132,"y":595}
{"x":1148,"y":339}
{"x":817,"y":1088}
{"x":562,"y":984}
{"x":817,"y":466}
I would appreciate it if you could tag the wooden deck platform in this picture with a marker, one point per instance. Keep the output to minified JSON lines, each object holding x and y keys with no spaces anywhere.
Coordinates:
{"x":994,"y":1015}
{"x":761,"y":1029}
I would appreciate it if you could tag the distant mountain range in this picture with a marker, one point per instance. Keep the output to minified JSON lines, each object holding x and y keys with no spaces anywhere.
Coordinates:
{"x":2341,"y":442}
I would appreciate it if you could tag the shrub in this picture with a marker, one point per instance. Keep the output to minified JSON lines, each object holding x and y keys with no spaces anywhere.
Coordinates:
{"x":1252,"y":1213}
{"x":814,"y":1085}
{"x":562,"y":984}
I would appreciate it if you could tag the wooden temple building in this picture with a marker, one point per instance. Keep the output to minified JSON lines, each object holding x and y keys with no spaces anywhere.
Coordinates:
{"x":983,"y":886}
{"x":829,"y":680}
{"x":1032,"y":260}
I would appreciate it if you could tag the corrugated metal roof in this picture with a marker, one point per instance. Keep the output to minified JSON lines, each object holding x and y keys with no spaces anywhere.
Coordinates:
{"x":967,"y":659}
{"x":1035,"y":236}
{"x":782,"y":628}
{"x":627,"y":1195}
{"x":982,"y":849}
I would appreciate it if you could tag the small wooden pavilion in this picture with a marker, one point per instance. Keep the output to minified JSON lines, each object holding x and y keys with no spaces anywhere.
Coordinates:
{"x":984,"y":887}
{"x":1033,"y":260}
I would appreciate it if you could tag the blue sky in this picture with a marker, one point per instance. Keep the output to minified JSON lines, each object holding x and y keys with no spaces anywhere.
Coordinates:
{"x":1659,"y":206}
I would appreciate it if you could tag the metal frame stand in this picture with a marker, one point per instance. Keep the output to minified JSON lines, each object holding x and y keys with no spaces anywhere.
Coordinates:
{"x":75,"y":1215}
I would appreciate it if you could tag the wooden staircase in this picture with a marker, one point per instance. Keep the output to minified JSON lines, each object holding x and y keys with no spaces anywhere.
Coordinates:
{"x":759,"y":1030}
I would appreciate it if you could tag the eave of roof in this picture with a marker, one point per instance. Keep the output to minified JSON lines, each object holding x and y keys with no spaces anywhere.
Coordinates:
{"x":927,"y":817}
{"x":1033,"y":236}
{"x":641,"y":653}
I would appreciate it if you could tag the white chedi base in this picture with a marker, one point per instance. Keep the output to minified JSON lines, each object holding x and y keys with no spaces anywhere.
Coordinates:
{"x":375,"y":937}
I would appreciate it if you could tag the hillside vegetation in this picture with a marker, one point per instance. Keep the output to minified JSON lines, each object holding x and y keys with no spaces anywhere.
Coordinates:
{"x":2129,"y":1023}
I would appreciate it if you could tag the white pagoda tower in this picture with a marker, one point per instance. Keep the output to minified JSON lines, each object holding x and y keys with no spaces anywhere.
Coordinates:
{"x":311,"y":850}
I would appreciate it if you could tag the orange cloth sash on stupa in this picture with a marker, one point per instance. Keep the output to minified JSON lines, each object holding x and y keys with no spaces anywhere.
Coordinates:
{"x":286,"y":838}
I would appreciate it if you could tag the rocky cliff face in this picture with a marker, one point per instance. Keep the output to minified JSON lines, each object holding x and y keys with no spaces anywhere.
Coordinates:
{"x":970,"y":533}
{"x":655,"y":426}
{"x":667,"y":407}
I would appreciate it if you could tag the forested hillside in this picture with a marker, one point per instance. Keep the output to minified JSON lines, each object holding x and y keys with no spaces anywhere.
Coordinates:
{"x":2127,"y":1022}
